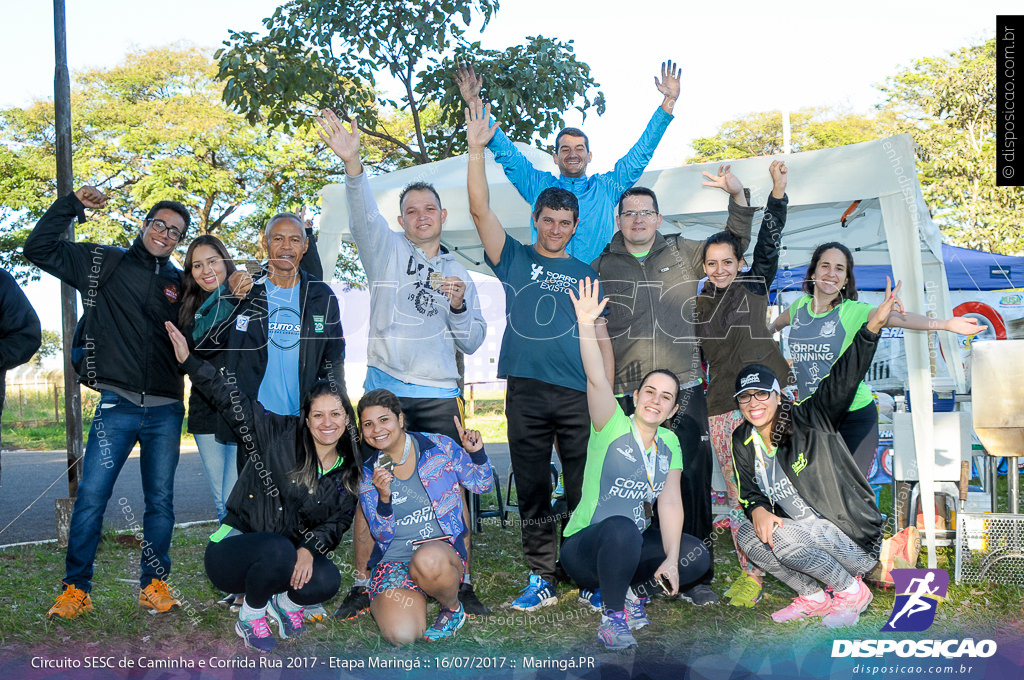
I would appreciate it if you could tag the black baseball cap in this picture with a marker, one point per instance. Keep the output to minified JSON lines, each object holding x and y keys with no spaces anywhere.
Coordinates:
{"x":757,"y":377}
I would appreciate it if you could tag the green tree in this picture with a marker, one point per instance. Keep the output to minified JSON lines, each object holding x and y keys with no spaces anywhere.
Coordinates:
{"x":948,"y":104}
{"x":155,"y":127}
{"x":318,"y":54}
{"x":51,"y":346}
{"x":760,"y":134}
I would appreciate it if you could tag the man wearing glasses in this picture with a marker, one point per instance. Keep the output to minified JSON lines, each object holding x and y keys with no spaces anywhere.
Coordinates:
{"x":651,"y":282}
{"x":121,"y":350}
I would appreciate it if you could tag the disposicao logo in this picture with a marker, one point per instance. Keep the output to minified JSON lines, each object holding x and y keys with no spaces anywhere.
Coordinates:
{"x":918,"y":593}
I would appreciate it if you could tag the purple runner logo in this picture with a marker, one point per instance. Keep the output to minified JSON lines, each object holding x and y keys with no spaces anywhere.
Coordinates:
{"x":918,"y":593}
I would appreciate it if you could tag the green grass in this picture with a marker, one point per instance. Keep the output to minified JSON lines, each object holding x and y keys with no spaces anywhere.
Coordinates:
{"x":32,"y":575}
{"x":489,"y":418}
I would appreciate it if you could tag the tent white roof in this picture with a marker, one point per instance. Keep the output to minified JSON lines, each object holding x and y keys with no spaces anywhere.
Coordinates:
{"x":890,"y":225}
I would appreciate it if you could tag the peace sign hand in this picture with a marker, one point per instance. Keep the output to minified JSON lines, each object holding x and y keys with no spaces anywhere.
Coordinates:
{"x":472,"y":440}
{"x":880,"y":318}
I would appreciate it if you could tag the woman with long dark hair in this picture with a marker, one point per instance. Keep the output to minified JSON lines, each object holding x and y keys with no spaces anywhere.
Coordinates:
{"x":411,"y":498}
{"x":811,"y":515}
{"x":293,"y":501}
{"x":824,"y":322}
{"x":206,"y":300}
{"x":732,"y":310}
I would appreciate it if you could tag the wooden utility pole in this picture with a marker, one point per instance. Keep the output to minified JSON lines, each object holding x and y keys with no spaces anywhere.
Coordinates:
{"x":69,"y":302}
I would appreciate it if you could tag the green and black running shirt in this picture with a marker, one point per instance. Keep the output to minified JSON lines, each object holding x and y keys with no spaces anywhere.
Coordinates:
{"x":616,"y":480}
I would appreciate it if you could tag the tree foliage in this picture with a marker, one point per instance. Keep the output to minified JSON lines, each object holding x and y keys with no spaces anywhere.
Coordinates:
{"x":342,"y":55}
{"x":948,"y":104}
{"x":51,"y":346}
{"x":154,"y":128}
{"x":760,"y":134}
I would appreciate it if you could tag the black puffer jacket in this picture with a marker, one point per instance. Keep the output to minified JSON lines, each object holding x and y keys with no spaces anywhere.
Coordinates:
{"x":128,"y":295}
{"x":815,"y":459}
{"x":264,"y":499}
{"x":239,"y":343}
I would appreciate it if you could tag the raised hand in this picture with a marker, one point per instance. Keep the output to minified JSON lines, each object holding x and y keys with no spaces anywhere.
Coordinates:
{"x":669,"y":84}
{"x":91,"y":197}
{"x":880,"y":317}
{"x":469,"y":83}
{"x":343,"y":143}
{"x":178,"y":341}
{"x":778,"y":171}
{"x":588,"y":305}
{"x":478,"y":132}
{"x":472,"y":440}
{"x":724,"y":180}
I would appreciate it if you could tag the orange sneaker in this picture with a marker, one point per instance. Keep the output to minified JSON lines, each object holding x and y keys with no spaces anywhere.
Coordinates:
{"x":157,"y":598}
{"x":73,"y":602}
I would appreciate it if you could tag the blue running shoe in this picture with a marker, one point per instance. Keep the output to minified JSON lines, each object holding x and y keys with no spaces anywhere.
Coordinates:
{"x":636,"y":615}
{"x":256,"y":634}
{"x":614,"y":631}
{"x":591,"y":599}
{"x":289,"y":622}
{"x":446,"y":623}
{"x":538,"y":594}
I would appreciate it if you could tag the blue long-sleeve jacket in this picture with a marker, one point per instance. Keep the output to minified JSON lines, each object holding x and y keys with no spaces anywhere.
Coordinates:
{"x":598,"y":194}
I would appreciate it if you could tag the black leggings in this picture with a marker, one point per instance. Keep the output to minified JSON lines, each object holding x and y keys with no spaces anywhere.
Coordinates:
{"x":613,"y":555}
{"x":859,"y":431}
{"x":261,"y":564}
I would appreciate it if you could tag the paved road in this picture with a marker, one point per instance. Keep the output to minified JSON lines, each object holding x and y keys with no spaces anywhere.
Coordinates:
{"x":32,"y":480}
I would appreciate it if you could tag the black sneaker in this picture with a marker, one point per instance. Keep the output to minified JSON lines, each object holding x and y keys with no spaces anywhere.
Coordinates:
{"x":700,"y":595}
{"x":355,"y":603}
{"x":470,"y":602}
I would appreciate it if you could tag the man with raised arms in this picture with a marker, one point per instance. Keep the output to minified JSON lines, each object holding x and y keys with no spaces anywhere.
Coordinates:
{"x":597,"y":194}
{"x":539,"y":358}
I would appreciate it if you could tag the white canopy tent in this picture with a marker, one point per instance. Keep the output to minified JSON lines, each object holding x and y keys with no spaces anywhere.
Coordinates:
{"x":865,"y":196}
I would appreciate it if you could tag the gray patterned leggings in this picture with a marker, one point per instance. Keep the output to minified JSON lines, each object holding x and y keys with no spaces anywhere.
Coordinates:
{"x":805,"y":552}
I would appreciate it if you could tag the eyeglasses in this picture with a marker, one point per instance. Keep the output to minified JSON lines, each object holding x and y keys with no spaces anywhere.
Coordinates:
{"x":633,"y":214}
{"x":161,"y":227}
{"x":760,"y":395}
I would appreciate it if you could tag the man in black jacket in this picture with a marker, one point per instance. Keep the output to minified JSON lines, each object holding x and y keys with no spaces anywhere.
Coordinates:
{"x":285,"y":335}
{"x":20,"y":335}
{"x":122,"y":351}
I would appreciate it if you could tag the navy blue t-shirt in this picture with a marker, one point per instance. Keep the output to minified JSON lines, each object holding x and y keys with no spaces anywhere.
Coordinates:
{"x":541,"y":340}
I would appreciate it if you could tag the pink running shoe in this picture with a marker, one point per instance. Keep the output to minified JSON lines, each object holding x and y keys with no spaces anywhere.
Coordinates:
{"x":801,"y":608}
{"x":846,"y":607}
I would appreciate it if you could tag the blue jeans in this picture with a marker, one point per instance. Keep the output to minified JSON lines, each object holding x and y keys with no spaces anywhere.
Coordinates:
{"x":221,"y":468}
{"x":117,"y":424}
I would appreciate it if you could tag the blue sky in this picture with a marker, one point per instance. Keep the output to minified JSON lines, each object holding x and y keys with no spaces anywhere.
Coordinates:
{"x":737,"y":57}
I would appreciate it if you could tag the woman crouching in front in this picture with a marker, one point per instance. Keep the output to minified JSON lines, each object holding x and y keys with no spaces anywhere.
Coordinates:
{"x":811,"y":515}
{"x":292,"y":502}
{"x":631,"y":463}
{"x":412,"y":501}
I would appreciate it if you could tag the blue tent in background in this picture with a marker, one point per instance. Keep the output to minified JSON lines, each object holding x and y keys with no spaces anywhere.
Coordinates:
{"x":966,"y":269}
